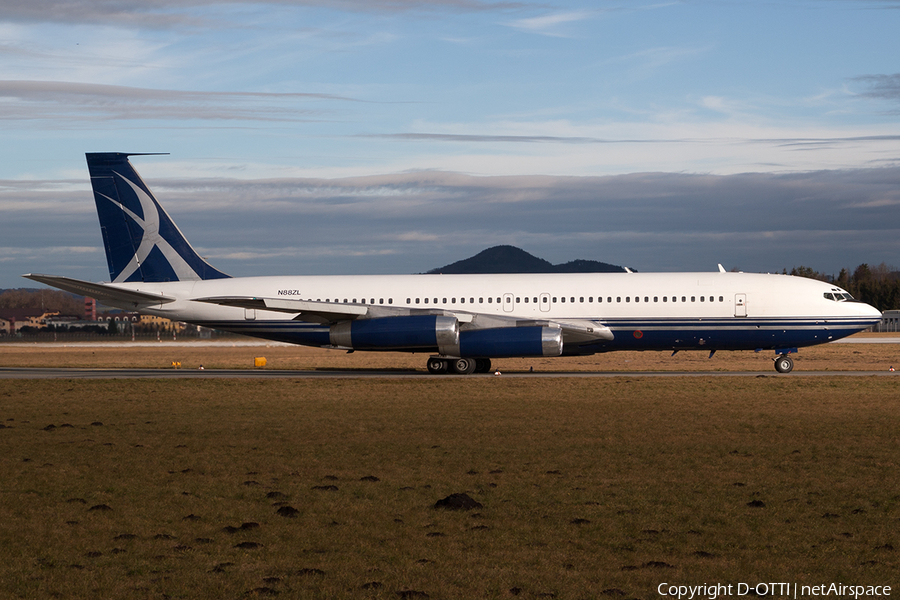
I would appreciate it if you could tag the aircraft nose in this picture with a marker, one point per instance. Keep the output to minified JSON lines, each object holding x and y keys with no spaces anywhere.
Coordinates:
{"x":871,"y":311}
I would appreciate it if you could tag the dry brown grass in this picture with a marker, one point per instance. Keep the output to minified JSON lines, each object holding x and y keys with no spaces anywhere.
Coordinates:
{"x":588,"y":486}
{"x":831,"y":357}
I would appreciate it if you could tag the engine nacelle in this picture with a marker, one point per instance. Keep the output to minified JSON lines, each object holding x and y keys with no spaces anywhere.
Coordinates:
{"x":511,"y":341}
{"x":427,"y":333}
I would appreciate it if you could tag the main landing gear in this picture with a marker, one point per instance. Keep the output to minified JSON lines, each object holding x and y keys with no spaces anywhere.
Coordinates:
{"x":783,"y":363}
{"x":461,"y":366}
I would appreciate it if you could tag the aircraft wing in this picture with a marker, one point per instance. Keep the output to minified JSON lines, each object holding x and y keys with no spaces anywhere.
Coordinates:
{"x":326,"y":312}
{"x":104,"y":292}
{"x":306,"y":310}
{"x":579,"y":332}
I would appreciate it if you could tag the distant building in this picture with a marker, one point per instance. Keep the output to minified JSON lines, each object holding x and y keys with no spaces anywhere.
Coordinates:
{"x":890,"y":321}
{"x":90,"y":309}
{"x":119,"y":316}
{"x":161,"y":323}
{"x":12,"y":320}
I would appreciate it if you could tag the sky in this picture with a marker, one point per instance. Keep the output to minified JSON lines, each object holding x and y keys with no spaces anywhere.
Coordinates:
{"x":392,"y":136}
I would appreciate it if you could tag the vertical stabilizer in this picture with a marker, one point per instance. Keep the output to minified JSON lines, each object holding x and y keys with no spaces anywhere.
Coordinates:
{"x":142,"y":242}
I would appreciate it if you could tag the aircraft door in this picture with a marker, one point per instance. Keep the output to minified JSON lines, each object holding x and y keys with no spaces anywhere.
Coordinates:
{"x":740,"y":305}
{"x":545,"y":302}
{"x":508,"y":303}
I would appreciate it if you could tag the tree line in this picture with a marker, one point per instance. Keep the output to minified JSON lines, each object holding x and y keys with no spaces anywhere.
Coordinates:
{"x":878,"y":286}
{"x":49,"y":300}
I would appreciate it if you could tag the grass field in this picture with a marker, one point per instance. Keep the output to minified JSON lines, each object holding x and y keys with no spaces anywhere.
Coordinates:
{"x":830,"y":357}
{"x":590,"y":488}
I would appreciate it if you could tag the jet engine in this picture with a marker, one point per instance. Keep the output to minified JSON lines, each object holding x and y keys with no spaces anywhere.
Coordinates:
{"x":427,"y":333}
{"x":511,"y":341}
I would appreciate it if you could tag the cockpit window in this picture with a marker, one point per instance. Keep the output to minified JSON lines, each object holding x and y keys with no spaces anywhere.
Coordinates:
{"x":839,"y":296}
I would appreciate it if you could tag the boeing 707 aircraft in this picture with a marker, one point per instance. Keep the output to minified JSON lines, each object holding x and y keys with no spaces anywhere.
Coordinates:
{"x":463,"y":321}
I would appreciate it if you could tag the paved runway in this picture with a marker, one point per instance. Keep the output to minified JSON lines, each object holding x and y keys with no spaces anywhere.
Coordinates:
{"x":49,"y":373}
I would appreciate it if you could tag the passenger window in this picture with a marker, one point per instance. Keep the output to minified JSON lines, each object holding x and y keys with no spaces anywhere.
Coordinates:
{"x":693,"y":298}
{"x":518,"y":299}
{"x":426,"y":300}
{"x":581,"y":299}
{"x":462,"y":300}
{"x":721,"y":299}
{"x":562,"y":299}
{"x":554,"y":298}
{"x":665,"y":299}
{"x":526,"y":299}
{"x":590,"y":298}
{"x":381,"y":301}
{"x":609,"y":299}
{"x":656,"y":298}
{"x":435,"y":300}
{"x":684,"y":298}
{"x":636,"y":299}
{"x":481,"y":300}
{"x":627,"y":298}
{"x":618,"y":298}
{"x":490,"y":300}
{"x":702,"y":299}
{"x":390,"y":300}
{"x":572,"y":298}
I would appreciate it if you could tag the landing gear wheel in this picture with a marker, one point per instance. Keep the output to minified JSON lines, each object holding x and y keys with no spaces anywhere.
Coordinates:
{"x":784,"y":364}
{"x":437,"y":366}
{"x":464,"y":366}
{"x":482,"y":365}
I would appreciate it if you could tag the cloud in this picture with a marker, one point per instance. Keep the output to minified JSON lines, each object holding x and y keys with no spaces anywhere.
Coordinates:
{"x":886,"y":87}
{"x":35,"y":100}
{"x":173,"y":13}
{"x":413,"y":222}
{"x":549,"y":24}
{"x":452,"y":137}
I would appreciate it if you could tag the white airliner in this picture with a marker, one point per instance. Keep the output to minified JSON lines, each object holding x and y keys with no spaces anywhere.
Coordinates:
{"x":462,"y":320}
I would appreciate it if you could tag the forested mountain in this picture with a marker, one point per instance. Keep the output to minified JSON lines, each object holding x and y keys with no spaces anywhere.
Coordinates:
{"x":509,"y":259}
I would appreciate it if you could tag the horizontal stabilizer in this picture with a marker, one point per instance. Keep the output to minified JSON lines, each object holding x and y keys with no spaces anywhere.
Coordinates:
{"x":104,"y":292}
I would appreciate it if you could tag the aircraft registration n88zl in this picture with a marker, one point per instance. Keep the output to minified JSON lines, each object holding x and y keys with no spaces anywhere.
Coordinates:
{"x":464,"y":320}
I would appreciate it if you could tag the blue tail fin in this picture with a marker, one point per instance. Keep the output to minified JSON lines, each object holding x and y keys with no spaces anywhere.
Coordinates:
{"x":142,"y":242}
